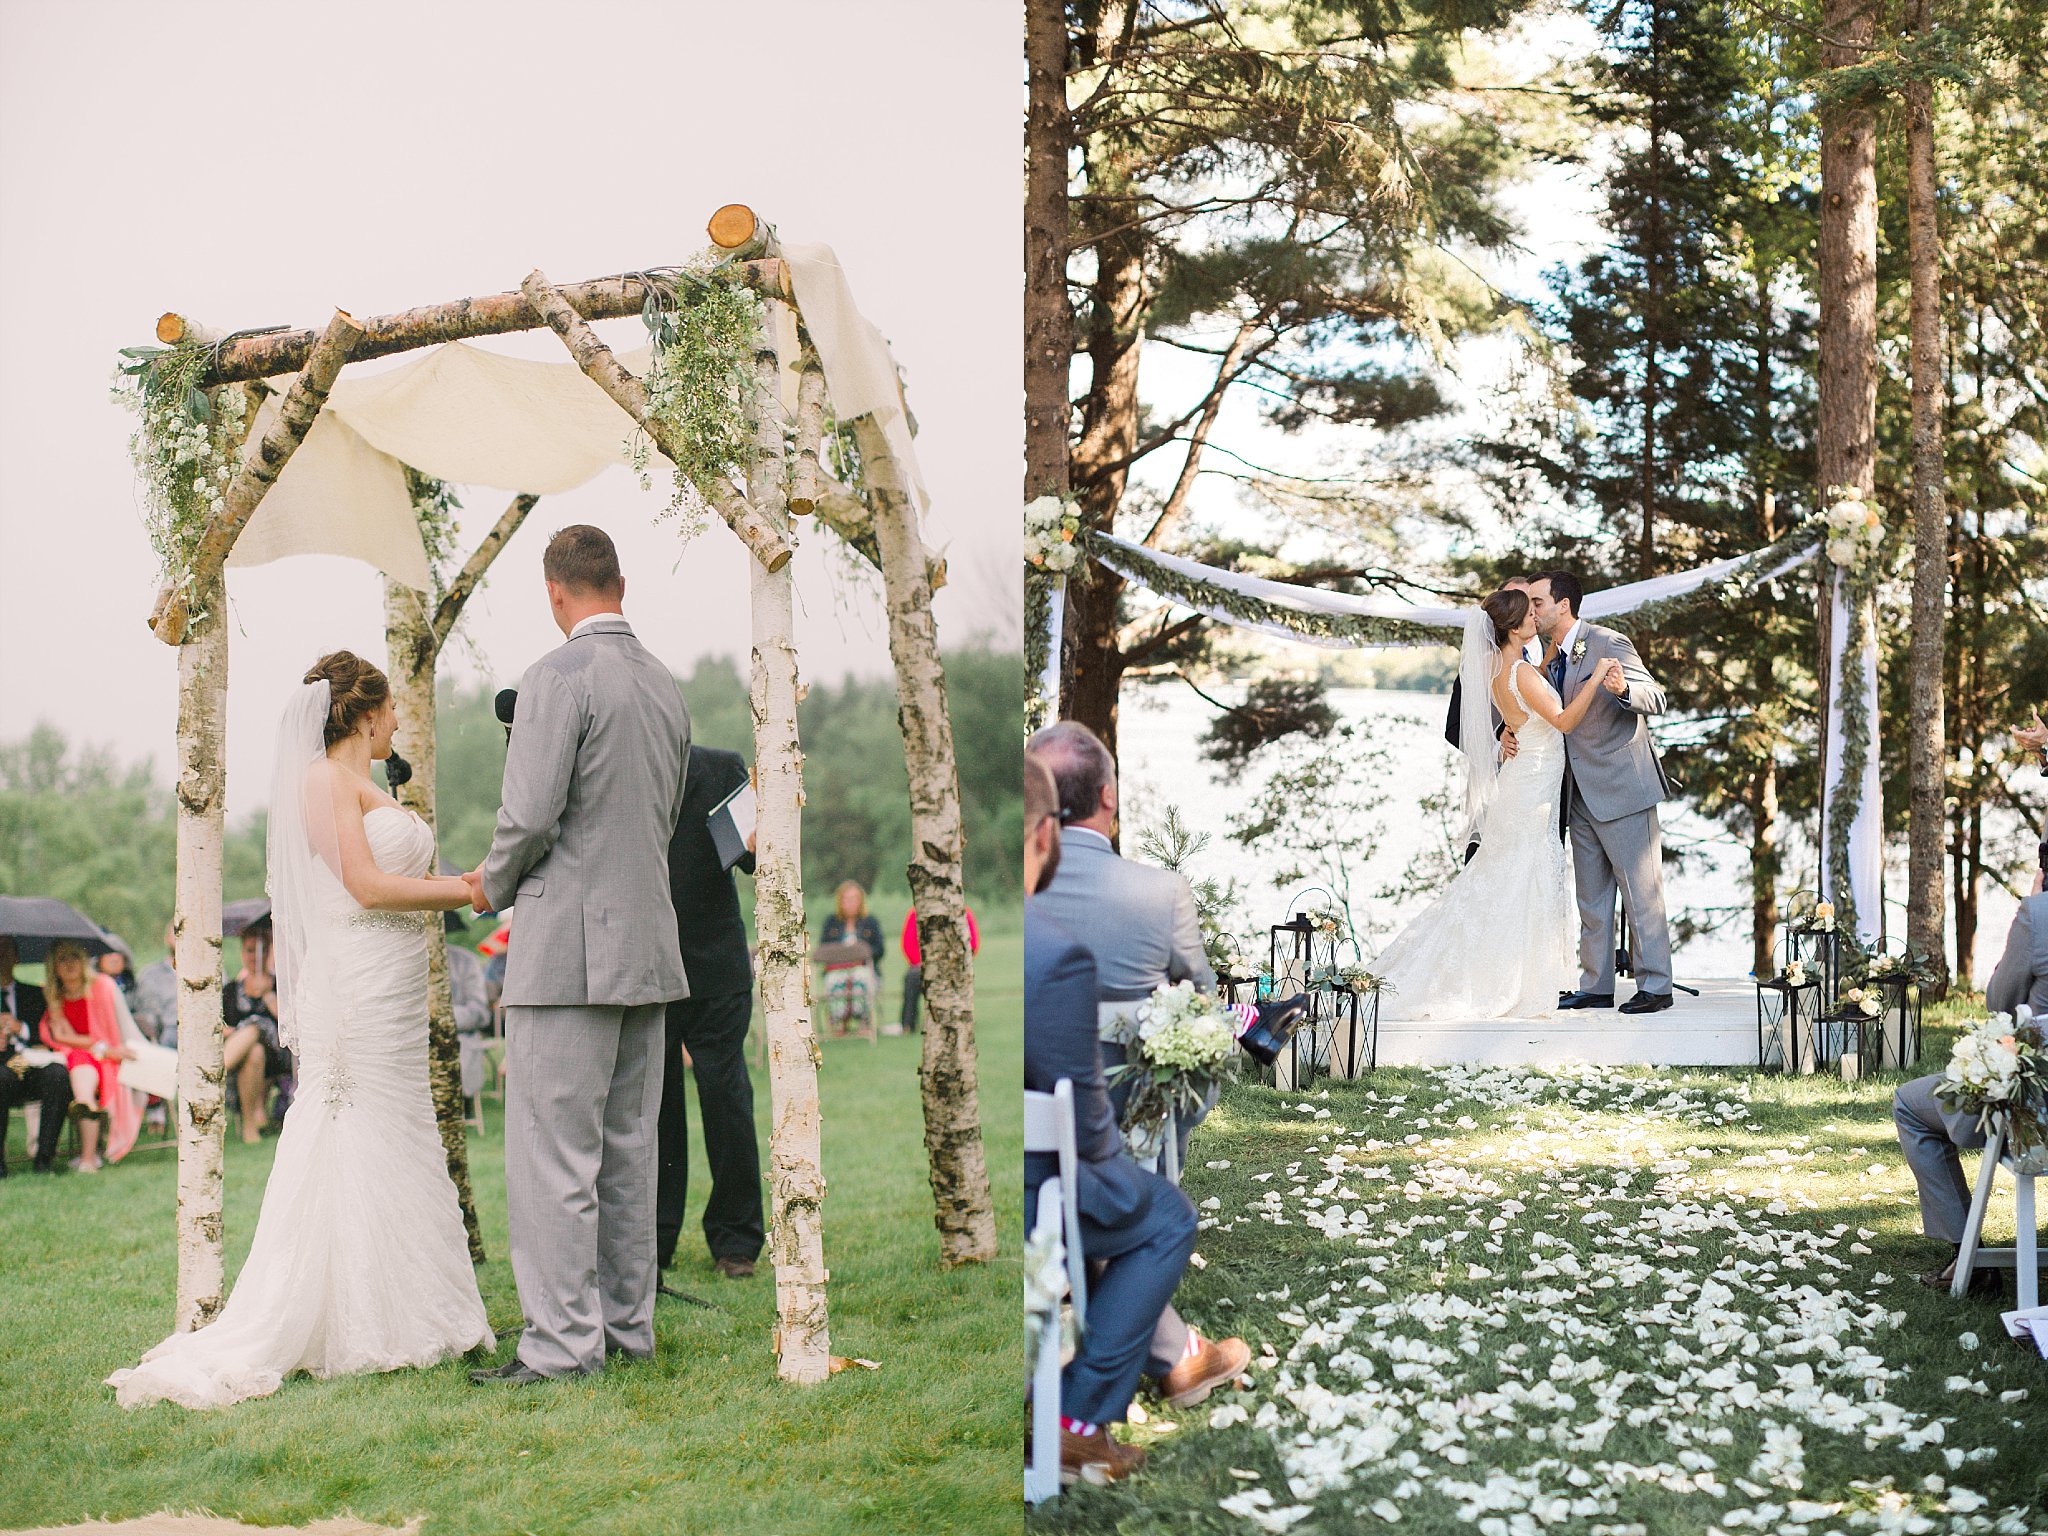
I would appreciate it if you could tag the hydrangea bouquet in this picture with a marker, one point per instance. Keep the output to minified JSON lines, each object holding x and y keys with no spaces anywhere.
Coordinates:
{"x":1180,"y":1045}
{"x":2001,"y":1069}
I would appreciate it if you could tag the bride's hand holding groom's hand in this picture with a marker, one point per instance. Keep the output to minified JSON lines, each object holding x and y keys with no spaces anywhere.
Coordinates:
{"x":473,"y":883}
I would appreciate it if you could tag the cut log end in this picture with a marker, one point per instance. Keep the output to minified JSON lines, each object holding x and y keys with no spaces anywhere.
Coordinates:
{"x":170,"y":328}
{"x":776,"y":559}
{"x":732,"y":226}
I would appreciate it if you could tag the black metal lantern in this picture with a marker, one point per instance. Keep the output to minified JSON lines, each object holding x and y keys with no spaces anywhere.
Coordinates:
{"x":1895,"y":1032}
{"x":1355,"y":1032}
{"x":1302,"y":958}
{"x":1787,"y":1015}
{"x":1817,"y":946}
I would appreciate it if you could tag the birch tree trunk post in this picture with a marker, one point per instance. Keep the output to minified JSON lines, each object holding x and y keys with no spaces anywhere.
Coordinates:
{"x":202,"y":1108}
{"x":414,"y":654}
{"x":796,"y":1177}
{"x":416,"y":639}
{"x":962,"y":1206}
{"x":1926,"y":910}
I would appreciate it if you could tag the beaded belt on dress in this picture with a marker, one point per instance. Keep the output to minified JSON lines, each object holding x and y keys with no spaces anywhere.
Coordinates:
{"x":367,"y":917}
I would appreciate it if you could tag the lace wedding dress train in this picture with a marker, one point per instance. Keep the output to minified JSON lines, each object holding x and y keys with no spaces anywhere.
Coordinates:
{"x":1496,"y":944}
{"x":360,"y":1261}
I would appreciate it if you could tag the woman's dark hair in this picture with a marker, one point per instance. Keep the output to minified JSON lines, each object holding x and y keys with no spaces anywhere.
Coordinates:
{"x":1507,"y":608}
{"x":354,"y":689}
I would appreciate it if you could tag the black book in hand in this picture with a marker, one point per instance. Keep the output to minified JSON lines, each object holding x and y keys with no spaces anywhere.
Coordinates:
{"x":732,"y":823}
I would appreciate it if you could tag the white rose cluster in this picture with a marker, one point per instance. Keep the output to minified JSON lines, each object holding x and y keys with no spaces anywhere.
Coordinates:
{"x":1985,"y":1066}
{"x":1049,"y":529}
{"x":1183,"y":1029}
{"x":1854,"y":529}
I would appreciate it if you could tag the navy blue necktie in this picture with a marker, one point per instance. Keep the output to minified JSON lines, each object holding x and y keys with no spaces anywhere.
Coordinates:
{"x":1556,"y":671}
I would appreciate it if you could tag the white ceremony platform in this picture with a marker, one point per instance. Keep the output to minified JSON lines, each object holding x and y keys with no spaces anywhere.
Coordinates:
{"x":1715,"y":1029}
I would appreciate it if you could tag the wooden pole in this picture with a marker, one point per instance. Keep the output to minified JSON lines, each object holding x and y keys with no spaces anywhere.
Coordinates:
{"x":756,"y":531}
{"x":259,"y":471}
{"x":963,"y":1209}
{"x":796,"y":1178}
{"x":497,"y":314}
{"x":804,"y":475}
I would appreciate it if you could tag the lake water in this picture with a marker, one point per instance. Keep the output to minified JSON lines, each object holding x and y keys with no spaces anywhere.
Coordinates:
{"x":1161,"y":729}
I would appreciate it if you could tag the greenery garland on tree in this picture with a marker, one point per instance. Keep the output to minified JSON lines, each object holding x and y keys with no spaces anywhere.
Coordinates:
{"x":698,"y":384}
{"x":1855,"y":537}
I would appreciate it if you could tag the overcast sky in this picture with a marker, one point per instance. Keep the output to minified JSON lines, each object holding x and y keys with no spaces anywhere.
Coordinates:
{"x":199,"y":157}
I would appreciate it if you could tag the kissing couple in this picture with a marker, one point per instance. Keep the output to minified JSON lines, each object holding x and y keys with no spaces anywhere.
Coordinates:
{"x":1556,"y":749}
{"x":360,"y":1261}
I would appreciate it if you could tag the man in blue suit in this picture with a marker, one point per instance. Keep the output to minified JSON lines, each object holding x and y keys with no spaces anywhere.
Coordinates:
{"x":1137,"y":1229}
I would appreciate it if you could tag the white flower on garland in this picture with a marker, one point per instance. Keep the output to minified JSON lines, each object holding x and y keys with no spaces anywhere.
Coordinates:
{"x":1050,"y":528}
{"x":1854,"y":529}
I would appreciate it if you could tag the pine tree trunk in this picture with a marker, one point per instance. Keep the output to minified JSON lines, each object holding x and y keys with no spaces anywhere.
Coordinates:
{"x":796,"y":1178}
{"x":202,"y":1109}
{"x":1048,"y":314}
{"x":1846,"y":439}
{"x":1926,"y":919}
{"x":414,"y":653}
{"x":963,"y":1208}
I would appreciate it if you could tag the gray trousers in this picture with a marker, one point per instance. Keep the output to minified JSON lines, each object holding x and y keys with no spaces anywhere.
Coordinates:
{"x":1929,"y":1134}
{"x":1626,"y":853}
{"x":583,"y":1099}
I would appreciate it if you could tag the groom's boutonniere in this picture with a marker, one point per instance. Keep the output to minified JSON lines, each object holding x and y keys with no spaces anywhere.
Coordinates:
{"x":1579,"y":652}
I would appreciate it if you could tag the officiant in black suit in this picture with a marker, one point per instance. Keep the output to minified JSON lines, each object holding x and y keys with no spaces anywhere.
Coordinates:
{"x":711,"y":1024}
{"x":21,"y":1017}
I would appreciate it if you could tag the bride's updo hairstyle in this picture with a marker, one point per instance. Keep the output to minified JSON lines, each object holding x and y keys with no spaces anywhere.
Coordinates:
{"x":1507,"y":608}
{"x":354,"y":688}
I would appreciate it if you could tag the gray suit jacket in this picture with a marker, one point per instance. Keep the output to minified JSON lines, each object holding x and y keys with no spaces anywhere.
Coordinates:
{"x":593,"y":784}
{"x":1137,"y":920}
{"x":2022,"y":974}
{"x":1610,"y":758}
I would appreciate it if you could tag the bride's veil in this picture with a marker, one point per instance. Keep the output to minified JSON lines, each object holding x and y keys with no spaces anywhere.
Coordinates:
{"x":298,"y":879}
{"x":1476,"y":669}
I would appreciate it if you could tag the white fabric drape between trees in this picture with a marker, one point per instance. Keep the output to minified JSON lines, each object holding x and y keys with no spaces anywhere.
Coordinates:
{"x":1866,"y":835}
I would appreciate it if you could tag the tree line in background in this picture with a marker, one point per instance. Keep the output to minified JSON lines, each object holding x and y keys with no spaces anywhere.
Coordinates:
{"x":1291,"y":199}
{"x":79,"y":825}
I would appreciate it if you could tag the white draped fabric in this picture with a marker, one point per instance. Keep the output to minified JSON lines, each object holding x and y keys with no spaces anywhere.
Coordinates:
{"x":1866,"y":841}
{"x":1128,"y":560}
{"x":473,"y":417}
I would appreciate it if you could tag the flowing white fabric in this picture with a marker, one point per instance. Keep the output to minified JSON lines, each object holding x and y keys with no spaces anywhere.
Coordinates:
{"x":360,"y":1261}
{"x":1497,"y":943}
{"x":1477,"y":668}
{"x":300,"y":884}
{"x":1431,"y":621}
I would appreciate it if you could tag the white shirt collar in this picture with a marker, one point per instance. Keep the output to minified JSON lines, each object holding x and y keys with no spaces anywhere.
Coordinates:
{"x":1572,"y":636}
{"x":597,"y":618}
{"x":1088,"y":832}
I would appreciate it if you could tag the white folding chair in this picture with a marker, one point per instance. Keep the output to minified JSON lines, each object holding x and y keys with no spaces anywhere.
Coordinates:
{"x":1049,"y":1127}
{"x":2024,"y":1257}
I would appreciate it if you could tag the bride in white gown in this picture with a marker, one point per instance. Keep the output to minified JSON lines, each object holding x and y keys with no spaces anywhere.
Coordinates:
{"x":360,"y":1261}
{"x":1496,"y":944}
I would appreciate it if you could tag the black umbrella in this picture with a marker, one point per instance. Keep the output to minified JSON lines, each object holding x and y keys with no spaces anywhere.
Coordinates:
{"x":238,"y":916}
{"x":34,"y":922}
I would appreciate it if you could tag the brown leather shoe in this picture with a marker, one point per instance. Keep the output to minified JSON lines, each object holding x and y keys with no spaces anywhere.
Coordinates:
{"x":1217,"y":1361}
{"x":1098,"y":1458}
{"x":735,"y":1269}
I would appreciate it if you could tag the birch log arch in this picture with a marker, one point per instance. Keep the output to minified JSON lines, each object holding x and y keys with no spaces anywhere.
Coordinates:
{"x":775,"y":471}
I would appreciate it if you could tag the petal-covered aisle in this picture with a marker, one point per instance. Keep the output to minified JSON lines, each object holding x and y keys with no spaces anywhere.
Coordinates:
{"x":1585,"y":1300}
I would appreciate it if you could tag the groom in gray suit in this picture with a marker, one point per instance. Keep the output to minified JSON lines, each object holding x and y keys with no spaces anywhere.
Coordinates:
{"x":593,"y":784}
{"x":1613,"y":786}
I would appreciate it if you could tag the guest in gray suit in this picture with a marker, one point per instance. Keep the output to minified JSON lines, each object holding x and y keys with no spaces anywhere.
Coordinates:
{"x":1613,"y":786}
{"x":1930,"y":1132}
{"x":593,"y":784}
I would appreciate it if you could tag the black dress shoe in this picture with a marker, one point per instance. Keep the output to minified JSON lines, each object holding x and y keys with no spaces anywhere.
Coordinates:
{"x":1585,"y":1000}
{"x":1984,"y":1283}
{"x":1274,"y":1027}
{"x":1647,"y":1002}
{"x":513,"y":1373}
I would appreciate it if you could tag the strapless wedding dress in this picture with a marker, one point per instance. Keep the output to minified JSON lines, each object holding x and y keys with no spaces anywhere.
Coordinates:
{"x":360,"y":1261}
{"x":1497,"y":943}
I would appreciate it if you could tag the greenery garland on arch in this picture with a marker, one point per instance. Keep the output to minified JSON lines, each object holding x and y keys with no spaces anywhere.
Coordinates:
{"x":1053,"y":546}
{"x":698,"y":384}
{"x":1855,"y":535}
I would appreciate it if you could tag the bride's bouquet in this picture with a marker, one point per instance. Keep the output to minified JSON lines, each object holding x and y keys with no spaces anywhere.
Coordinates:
{"x":2001,"y":1069}
{"x":1180,"y":1045}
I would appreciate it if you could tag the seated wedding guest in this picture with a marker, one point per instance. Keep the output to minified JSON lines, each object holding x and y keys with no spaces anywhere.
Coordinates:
{"x":1930,"y":1132}
{"x":708,"y":1030}
{"x":254,"y":1055}
{"x":48,"y":1086}
{"x":913,"y":975}
{"x":1137,"y":1229}
{"x":119,"y":963}
{"x":155,"y":1000}
{"x":86,"y":1020}
{"x":850,"y":923}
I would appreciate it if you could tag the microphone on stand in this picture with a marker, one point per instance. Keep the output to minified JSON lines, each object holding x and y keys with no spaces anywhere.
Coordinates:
{"x":397,"y":771}
{"x":508,"y":699}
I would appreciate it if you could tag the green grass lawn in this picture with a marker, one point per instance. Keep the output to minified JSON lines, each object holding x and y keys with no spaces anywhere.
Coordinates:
{"x":1642,"y":1302}
{"x":705,"y":1438}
